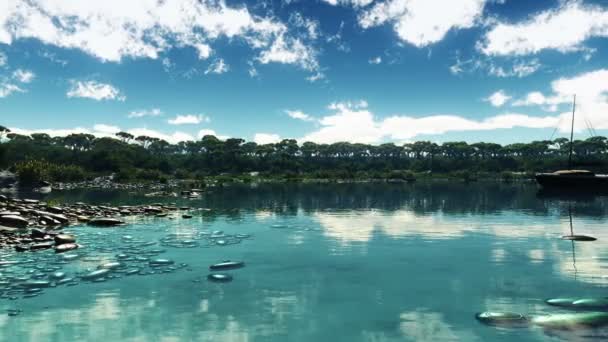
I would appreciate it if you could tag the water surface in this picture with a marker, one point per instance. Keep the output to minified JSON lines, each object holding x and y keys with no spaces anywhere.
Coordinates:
{"x":346,"y":262}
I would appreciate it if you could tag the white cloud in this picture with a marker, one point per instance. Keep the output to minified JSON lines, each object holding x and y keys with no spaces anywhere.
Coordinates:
{"x":217,"y":67}
{"x":188,"y":119}
{"x":94,"y":90}
{"x":354,"y":3}
{"x":204,"y":50}
{"x":145,"y":112}
{"x":173,"y":138}
{"x":375,"y":60}
{"x":356,"y":123}
{"x":106,"y":129}
{"x":146,"y":28}
{"x":23,"y":76}
{"x":103,"y":130}
{"x":299,"y":115}
{"x":511,"y":68}
{"x":563,"y":29}
{"x":498,"y":99}
{"x":423,"y":22}
{"x":519,"y":69}
{"x":591,"y":91}
{"x":265,"y":138}
{"x":7,"y":89}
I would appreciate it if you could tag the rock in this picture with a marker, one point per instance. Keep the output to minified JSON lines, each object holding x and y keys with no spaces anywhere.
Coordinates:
{"x":55,"y":210}
{"x":569,"y":321}
{"x":82,"y":218}
{"x":590,"y":303}
{"x":105,"y":222}
{"x":153,"y":210}
{"x":64,"y":238}
{"x":219,"y":277}
{"x":96,"y":274}
{"x":35,"y":284}
{"x":227,"y":265}
{"x":562,"y":302}
{"x":66,"y":247}
{"x":14,"y":221}
{"x":187,"y":216}
{"x":578,"y":238}
{"x":110,"y":265}
{"x":57,"y":275}
{"x":42,"y":245}
{"x":37,"y":233}
{"x":160,"y":262}
{"x":511,"y":319}
{"x":21,"y":248}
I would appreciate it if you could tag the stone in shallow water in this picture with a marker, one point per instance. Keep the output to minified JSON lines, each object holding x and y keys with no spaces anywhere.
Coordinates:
{"x":219,"y":277}
{"x":160,"y":262}
{"x":578,"y":237}
{"x":510,"y":319}
{"x":571,"y":321}
{"x":66,"y":247}
{"x":110,"y":265}
{"x":42,"y":245}
{"x":57,"y":275}
{"x":64,"y":238}
{"x":563,"y":302}
{"x":35,"y":284}
{"x":590,"y":303}
{"x":227,"y":265}
{"x":96,"y":274}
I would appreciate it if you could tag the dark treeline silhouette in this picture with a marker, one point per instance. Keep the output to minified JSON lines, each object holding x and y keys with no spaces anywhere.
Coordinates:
{"x":148,"y":157}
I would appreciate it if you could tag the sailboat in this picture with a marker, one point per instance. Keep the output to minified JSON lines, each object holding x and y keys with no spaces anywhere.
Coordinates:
{"x":572,"y":180}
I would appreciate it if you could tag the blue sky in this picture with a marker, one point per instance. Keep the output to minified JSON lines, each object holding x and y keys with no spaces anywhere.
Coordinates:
{"x":369,"y":71}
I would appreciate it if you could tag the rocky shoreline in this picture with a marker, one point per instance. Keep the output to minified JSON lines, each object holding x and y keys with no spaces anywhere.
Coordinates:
{"x":28,"y":224}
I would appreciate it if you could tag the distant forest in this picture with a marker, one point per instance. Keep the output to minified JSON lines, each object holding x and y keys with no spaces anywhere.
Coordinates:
{"x":80,"y":156}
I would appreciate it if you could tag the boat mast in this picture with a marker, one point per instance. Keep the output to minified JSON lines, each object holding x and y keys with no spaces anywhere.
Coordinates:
{"x":571,"y":134}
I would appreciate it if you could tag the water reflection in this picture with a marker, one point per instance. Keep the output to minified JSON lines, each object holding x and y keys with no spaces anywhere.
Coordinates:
{"x":330,"y":262}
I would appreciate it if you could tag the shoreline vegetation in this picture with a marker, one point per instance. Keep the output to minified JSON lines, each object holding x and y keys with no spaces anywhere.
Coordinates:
{"x":83,"y":160}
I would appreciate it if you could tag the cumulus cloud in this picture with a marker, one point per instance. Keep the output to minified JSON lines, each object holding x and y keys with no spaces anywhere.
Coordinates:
{"x":217,"y":67}
{"x":23,"y":76}
{"x":563,"y":29}
{"x":94,"y":90}
{"x":354,"y":122}
{"x":299,"y":115}
{"x":7,"y":89}
{"x":188,"y":119}
{"x":591,"y":91}
{"x":266,"y":138}
{"x":419,"y":22}
{"x":173,"y":138}
{"x":354,"y":3}
{"x":146,"y":28}
{"x":106,"y":129}
{"x":140,"y":113}
{"x":498,"y":98}
{"x":375,"y":60}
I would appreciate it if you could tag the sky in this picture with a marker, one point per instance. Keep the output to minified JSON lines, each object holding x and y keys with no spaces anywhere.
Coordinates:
{"x":369,"y":71}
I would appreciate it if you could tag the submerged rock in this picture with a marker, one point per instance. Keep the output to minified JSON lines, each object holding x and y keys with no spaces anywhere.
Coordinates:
{"x":227,"y":265}
{"x":578,"y":237}
{"x":160,"y":262}
{"x":96,"y":274}
{"x":510,"y":319}
{"x":569,"y":321}
{"x":42,"y":245}
{"x":579,"y":303}
{"x":35,"y":284}
{"x":219,"y":277}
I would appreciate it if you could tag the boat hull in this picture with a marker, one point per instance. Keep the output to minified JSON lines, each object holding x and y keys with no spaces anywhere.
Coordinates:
{"x":572,"y":182}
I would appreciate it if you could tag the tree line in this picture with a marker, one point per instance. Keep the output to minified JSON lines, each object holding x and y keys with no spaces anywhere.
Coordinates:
{"x":148,"y":157}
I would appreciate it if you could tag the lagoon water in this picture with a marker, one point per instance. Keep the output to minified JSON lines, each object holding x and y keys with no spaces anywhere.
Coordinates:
{"x":344,"y":262}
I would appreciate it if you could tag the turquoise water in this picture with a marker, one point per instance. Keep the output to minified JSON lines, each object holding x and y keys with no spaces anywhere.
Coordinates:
{"x":323,"y":263}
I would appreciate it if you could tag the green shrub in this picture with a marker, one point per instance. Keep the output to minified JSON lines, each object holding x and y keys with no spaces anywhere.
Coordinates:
{"x":32,"y":172}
